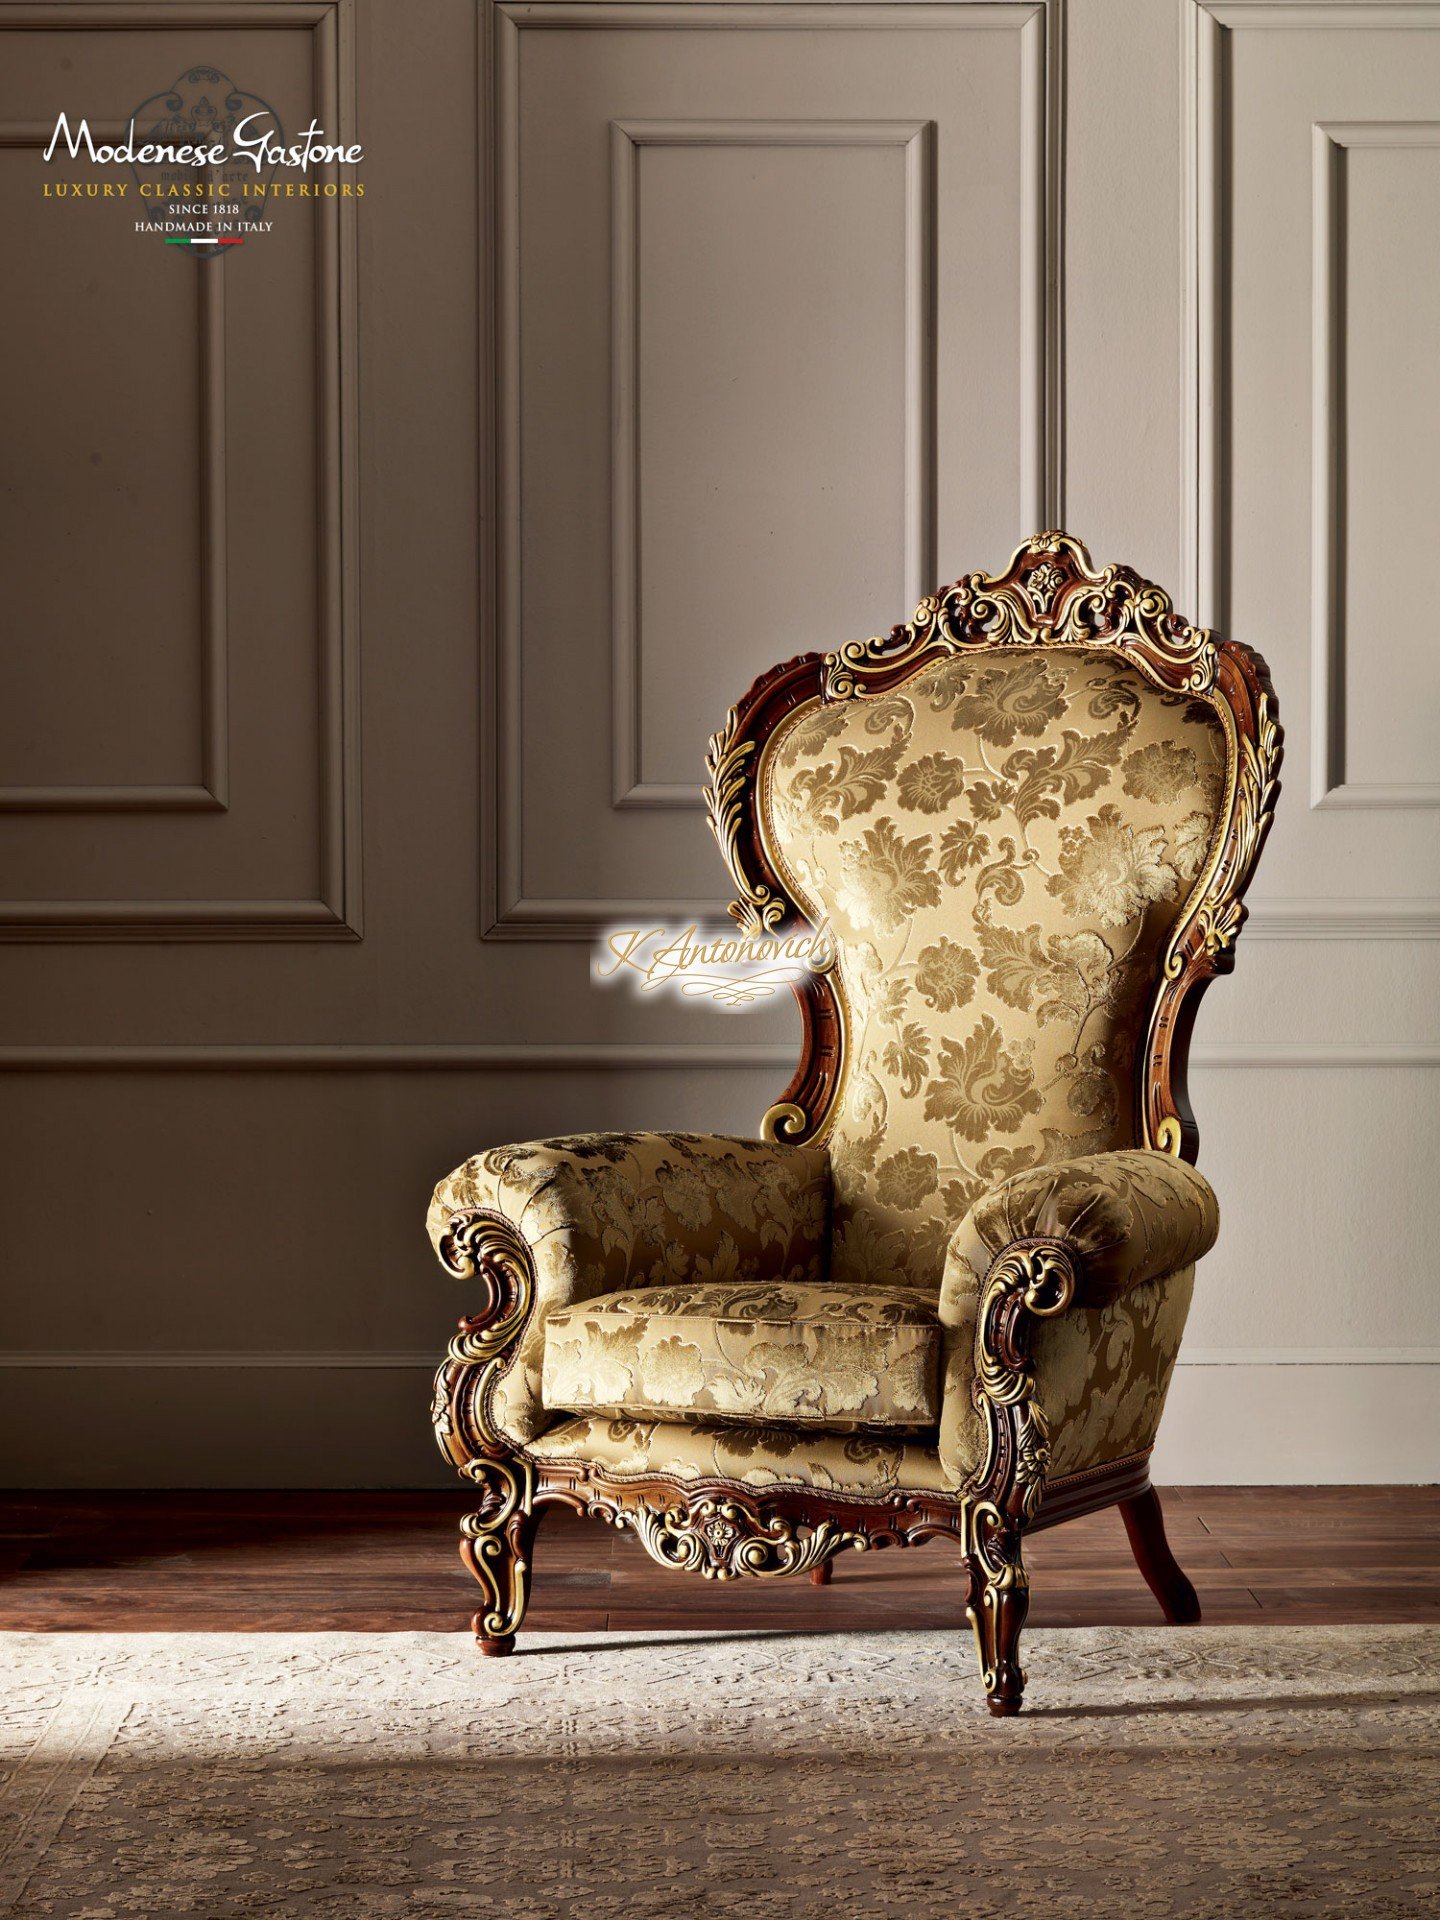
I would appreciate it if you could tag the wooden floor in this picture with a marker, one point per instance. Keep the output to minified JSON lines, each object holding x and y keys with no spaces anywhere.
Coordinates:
{"x":385,"y":1562}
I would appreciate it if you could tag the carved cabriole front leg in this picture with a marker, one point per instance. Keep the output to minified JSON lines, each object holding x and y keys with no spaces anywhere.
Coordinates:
{"x":1029,"y":1279}
{"x":496,"y":1543}
{"x":496,"y":1540}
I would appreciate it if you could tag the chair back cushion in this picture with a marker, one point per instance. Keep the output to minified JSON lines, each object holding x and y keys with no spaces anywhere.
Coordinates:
{"x":1001,"y":847}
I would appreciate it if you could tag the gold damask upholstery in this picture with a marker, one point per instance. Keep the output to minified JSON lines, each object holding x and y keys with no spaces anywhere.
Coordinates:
{"x":863,"y":1465}
{"x":1001,"y":848}
{"x":799,"y":1355}
{"x":945,"y":1293}
{"x":604,"y":1212}
{"x":1135,"y":1222}
{"x":1102,"y":1373}
{"x":1130,"y":1216}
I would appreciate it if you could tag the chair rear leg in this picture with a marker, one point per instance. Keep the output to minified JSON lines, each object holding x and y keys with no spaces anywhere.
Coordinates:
{"x":1145,"y":1526}
{"x":820,"y":1576}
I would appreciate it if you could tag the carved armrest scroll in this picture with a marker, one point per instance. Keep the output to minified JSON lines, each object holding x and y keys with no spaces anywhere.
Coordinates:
{"x":483,"y":1246}
{"x":1028,"y":1280}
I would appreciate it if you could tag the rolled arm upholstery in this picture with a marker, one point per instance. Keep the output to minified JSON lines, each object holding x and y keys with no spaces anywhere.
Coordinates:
{"x":594,"y":1213}
{"x":1127,"y":1217}
{"x":1133,"y":1224}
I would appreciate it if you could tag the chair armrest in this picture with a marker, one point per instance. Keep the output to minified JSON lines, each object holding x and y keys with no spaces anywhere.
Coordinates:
{"x":554,"y":1222}
{"x":1079,"y":1233}
{"x":1123,"y":1218}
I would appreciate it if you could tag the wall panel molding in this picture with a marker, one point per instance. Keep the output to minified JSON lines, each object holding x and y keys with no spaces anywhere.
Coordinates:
{"x":508,"y":911}
{"x":166,"y":1359}
{"x":1275,"y":16}
{"x":1330,"y":786}
{"x":1344,"y":919}
{"x":798,"y":16}
{"x":210,"y":794}
{"x":915,"y":139}
{"x":336,"y":911}
{"x":31,"y":921}
{"x":1207,"y":29}
{"x":599,"y":1056}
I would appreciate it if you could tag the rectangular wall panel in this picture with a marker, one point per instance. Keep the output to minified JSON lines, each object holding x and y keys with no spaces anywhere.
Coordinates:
{"x":1311,"y":175}
{"x":1313,"y":170}
{"x":747,"y":404}
{"x":1376,"y":418}
{"x":178,"y":746}
{"x":117,"y":470}
{"x":825,"y":229}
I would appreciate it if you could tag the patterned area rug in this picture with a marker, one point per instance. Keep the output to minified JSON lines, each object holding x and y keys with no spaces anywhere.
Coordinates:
{"x":1210,"y":1772}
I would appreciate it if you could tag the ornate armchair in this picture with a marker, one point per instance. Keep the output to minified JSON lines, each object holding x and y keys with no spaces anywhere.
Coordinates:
{"x":943,"y":1293}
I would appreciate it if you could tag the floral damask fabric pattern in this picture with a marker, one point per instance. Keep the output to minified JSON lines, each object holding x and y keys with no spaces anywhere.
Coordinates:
{"x":606,"y":1211}
{"x":1136,"y":1222}
{"x":803,"y":1355}
{"x":1102,"y":1373}
{"x":1002,"y":848}
{"x":1129,"y":1216}
{"x":865,"y":1465}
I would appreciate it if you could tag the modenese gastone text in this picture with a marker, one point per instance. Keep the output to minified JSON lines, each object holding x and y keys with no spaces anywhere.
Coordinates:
{"x":260,"y":148}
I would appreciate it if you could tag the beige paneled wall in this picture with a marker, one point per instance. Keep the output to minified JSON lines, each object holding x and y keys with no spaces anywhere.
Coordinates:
{"x":782,"y":312}
{"x":179,"y":680}
{"x":1310,"y":159}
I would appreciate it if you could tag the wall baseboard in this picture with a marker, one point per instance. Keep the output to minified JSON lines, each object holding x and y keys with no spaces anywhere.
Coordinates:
{"x":354,"y":1420}
{"x":1306,"y":1423}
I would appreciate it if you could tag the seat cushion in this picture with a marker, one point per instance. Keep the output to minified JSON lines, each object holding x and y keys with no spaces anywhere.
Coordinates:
{"x":812,"y":1355}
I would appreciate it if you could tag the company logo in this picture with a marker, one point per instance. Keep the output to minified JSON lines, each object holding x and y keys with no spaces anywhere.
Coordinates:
{"x":203,"y":164}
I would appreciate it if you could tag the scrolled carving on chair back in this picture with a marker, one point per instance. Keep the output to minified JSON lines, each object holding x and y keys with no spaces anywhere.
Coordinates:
{"x":1028,"y":816}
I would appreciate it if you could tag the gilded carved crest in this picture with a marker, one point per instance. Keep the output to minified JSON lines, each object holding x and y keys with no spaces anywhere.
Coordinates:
{"x":1050,"y":595}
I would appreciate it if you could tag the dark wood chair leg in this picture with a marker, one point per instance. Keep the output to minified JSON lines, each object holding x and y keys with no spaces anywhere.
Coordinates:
{"x":497,"y":1545}
{"x":820,"y":1576}
{"x":1145,"y":1526}
{"x":999,"y":1602}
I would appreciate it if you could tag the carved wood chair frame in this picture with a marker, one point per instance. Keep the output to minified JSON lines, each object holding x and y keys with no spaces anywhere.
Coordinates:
{"x":1050,"y":596}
